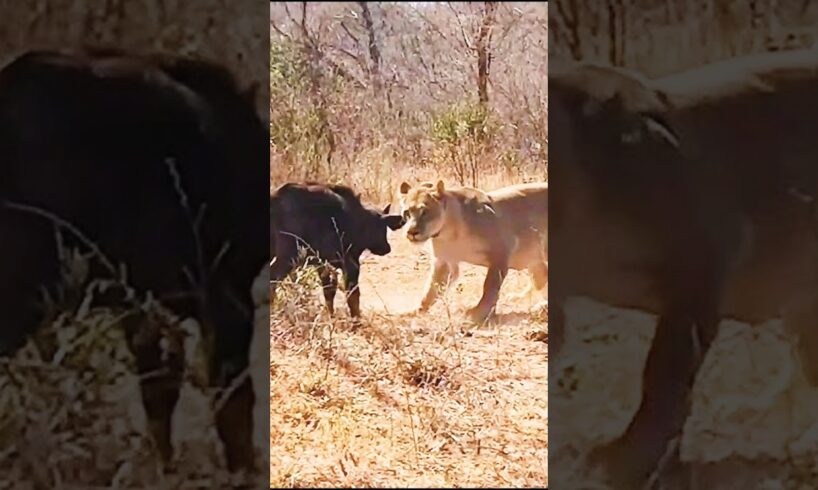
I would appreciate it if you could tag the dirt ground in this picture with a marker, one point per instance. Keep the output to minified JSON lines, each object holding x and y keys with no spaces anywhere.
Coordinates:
{"x":394,"y":284}
{"x":754,"y":418}
{"x":408,"y":399}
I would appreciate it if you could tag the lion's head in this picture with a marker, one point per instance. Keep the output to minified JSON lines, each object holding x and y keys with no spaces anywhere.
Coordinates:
{"x":423,"y":209}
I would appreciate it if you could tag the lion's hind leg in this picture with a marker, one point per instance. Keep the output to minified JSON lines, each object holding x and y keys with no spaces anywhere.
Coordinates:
{"x":538,"y":280}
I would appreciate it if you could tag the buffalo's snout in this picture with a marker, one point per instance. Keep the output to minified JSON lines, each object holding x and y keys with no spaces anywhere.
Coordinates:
{"x":394,"y":221}
{"x":381,"y":249}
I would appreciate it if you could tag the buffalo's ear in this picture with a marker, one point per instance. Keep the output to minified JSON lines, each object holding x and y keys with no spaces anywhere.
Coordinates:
{"x":653,"y":123}
{"x":386,"y":209}
{"x":404,"y":187}
{"x":394,"y":221}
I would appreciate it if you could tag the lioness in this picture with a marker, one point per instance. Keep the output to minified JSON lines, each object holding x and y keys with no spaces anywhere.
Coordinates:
{"x":503,"y":229}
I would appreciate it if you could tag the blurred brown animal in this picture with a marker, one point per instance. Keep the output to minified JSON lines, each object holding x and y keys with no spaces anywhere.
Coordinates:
{"x":108,"y":143}
{"x":690,"y":197}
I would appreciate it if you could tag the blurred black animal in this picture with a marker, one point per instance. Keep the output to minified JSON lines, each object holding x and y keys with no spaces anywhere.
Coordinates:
{"x":333,"y":228}
{"x":162,"y":164}
{"x":693,"y":197}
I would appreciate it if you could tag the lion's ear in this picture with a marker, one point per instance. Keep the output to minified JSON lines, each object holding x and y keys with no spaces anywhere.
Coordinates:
{"x":404,"y":187}
{"x":440,"y":187}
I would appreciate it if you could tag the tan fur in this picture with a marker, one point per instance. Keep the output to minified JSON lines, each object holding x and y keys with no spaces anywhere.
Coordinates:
{"x":501,"y":230}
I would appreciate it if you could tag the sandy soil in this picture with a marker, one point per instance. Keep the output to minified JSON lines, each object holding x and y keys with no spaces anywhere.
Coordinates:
{"x":408,"y":399}
{"x":754,"y":418}
{"x":394,"y":284}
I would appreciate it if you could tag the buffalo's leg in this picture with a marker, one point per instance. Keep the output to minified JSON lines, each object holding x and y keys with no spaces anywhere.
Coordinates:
{"x":234,"y":424}
{"x":160,"y":366}
{"x":678,"y":348}
{"x":29,"y":262}
{"x":329,"y":284}
{"x":352,"y":271}
{"x":491,"y":293}
{"x":229,"y":364}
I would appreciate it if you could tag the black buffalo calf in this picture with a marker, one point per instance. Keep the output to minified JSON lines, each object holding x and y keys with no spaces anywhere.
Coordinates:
{"x":333,"y":227}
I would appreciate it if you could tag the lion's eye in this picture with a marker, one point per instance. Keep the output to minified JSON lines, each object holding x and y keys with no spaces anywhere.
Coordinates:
{"x":406,"y":215}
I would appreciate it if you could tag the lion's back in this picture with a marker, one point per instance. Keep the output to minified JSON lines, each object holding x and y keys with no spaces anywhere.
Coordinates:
{"x":514,"y":214}
{"x":522,"y":206}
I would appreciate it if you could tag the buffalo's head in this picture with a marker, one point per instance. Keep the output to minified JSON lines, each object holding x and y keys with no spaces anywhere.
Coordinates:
{"x":608,"y":129}
{"x":373,"y":233}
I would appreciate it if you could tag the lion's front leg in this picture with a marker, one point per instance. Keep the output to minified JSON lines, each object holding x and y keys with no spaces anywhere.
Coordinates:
{"x":491,"y":293}
{"x":442,"y":276}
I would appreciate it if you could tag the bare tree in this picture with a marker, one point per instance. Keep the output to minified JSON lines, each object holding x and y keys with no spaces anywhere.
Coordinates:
{"x":374,"y":52}
{"x":566,"y":24}
{"x":310,"y":44}
{"x":616,"y":32}
{"x":483,"y":48}
{"x":418,"y":64}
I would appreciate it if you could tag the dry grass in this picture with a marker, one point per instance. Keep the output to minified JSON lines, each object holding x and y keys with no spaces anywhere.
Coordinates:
{"x":406,"y":399}
{"x":71,"y":412}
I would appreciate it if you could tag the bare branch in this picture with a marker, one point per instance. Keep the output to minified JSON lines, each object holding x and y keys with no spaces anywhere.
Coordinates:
{"x":287,"y":10}
{"x":430,"y":23}
{"x":510,"y":27}
{"x":343,"y":73}
{"x":289,"y":14}
{"x":280,"y":32}
{"x":484,"y":52}
{"x":567,"y":22}
{"x":374,"y":52}
{"x":466,"y":39}
{"x":349,"y":33}
{"x":356,"y":58}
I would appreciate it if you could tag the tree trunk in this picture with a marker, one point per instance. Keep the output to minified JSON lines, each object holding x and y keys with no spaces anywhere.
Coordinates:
{"x":374,"y":52}
{"x":483,"y":47}
{"x":614,"y":35}
{"x":566,"y":19}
